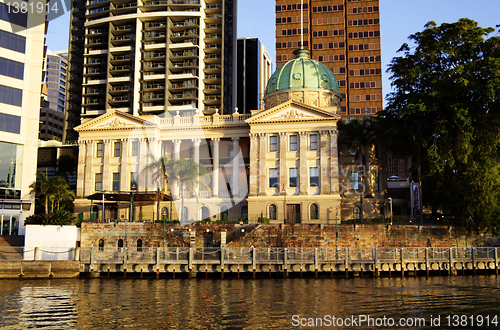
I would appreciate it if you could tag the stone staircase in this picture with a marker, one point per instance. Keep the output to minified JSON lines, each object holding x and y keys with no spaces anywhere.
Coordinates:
{"x":11,"y":247}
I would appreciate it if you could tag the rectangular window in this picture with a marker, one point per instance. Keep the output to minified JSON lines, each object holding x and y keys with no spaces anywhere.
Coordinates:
{"x":11,"y":68}
{"x":100,"y":149}
{"x":10,"y":123}
{"x":354,"y":180}
{"x":116,"y":181}
{"x":293,"y":142}
{"x":13,"y":14}
{"x":273,"y":143}
{"x":135,"y":148}
{"x":9,"y":95}
{"x":98,"y":182}
{"x":133,"y":180}
{"x":118,"y":149}
{"x":314,"y":176}
{"x":313,"y":141}
{"x":273,"y":177}
{"x":12,"y":41}
{"x":294,"y":177}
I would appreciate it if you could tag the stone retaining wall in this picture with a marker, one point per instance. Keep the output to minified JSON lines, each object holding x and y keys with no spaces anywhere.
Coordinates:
{"x":268,"y":235}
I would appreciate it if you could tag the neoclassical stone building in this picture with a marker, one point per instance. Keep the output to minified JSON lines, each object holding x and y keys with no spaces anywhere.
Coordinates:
{"x":284,"y":162}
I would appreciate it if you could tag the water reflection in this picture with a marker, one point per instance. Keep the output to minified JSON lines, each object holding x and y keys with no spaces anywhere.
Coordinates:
{"x":234,"y":304}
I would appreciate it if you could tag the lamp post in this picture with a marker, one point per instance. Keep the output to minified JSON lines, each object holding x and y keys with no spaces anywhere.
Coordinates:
{"x":390,"y":208}
{"x":336,"y":236}
{"x":284,"y":205}
{"x":103,"y":212}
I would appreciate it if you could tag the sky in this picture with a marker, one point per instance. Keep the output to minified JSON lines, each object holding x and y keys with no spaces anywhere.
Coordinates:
{"x":398,"y":19}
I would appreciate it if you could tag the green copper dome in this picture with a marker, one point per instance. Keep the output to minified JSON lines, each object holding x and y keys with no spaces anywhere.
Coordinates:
{"x":302,"y":72}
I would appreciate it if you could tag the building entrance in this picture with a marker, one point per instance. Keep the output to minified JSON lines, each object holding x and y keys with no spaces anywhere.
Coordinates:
{"x":293,"y":213}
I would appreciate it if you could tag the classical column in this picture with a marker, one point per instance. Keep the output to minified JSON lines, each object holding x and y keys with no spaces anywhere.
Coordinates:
{"x":88,"y":187}
{"x":282,"y":170}
{"x":215,"y":178}
{"x":303,"y":184}
{"x":236,"y":165}
{"x":80,"y":181}
{"x":143,"y":145}
{"x":106,"y":175}
{"x":323,"y":180}
{"x":177,"y":149}
{"x":177,"y":156}
{"x":124,"y":183}
{"x":262,"y":164}
{"x":254,"y":170}
{"x":196,"y":158}
{"x":334,"y":162}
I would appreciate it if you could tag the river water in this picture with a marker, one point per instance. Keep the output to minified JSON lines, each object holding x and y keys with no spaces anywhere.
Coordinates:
{"x":250,"y":304}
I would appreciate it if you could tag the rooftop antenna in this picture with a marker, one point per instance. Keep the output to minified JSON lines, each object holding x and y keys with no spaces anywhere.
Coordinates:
{"x":301,"y":24}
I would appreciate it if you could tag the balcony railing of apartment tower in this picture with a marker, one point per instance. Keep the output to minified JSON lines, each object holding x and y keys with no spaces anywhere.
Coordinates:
{"x":171,"y":2}
{"x":154,"y":24}
{"x":122,"y":38}
{"x":185,"y":84}
{"x":124,"y":5}
{"x":93,"y":2}
{"x":188,"y":22}
{"x":97,"y":11}
{"x":187,"y":33}
{"x":214,"y":16}
{"x":97,"y":31}
{"x":216,"y":6}
{"x":186,"y":41}
{"x":122,"y":27}
{"x":152,"y":86}
{"x":213,"y":26}
{"x":213,"y":36}
{"x":89,"y":91}
{"x":121,"y":68}
{"x":185,"y":54}
{"x":183,"y":64}
{"x":119,"y":89}
{"x":155,"y":34}
{"x":153,"y":65}
{"x":150,"y":55}
{"x":95,"y":61}
{"x":153,"y":96}
{"x":187,"y":95}
{"x":120,"y":99}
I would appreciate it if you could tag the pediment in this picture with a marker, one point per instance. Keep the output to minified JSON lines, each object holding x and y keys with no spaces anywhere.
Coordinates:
{"x":292,"y":111}
{"x":114,"y":120}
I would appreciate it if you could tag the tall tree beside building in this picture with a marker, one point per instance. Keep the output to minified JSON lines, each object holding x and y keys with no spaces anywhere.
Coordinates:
{"x":444,"y":110}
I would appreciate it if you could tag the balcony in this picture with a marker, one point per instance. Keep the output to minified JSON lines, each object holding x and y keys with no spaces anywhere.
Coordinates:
{"x":184,"y":54}
{"x":152,"y":86}
{"x":153,"y":55}
{"x":93,"y":91}
{"x":183,"y":96}
{"x":119,"y":99}
{"x":189,"y":84}
{"x":152,"y":96}
{"x":155,"y":25}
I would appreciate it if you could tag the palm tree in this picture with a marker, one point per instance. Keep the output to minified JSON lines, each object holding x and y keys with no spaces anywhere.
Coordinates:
{"x":187,"y":172}
{"x":52,"y":190}
{"x":184,"y":171}
{"x":360,"y":138}
{"x":161,"y":169}
{"x":42,"y":189}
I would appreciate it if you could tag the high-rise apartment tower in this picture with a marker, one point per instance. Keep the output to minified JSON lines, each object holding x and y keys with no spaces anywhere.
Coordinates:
{"x":22,"y":35}
{"x":345,"y":36}
{"x":152,"y":57}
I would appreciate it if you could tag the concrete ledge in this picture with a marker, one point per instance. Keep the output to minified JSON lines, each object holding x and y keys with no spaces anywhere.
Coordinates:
{"x":35,"y":269}
{"x":65,"y":269}
{"x":10,"y":269}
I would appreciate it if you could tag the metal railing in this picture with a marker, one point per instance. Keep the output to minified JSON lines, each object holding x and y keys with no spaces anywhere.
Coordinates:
{"x":279,"y":255}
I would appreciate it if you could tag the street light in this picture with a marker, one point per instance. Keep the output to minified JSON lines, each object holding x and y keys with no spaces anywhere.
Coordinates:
{"x":336,"y":236}
{"x":390,"y":208}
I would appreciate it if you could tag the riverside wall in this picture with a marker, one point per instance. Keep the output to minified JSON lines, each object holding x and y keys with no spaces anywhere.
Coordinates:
{"x":275,"y":235}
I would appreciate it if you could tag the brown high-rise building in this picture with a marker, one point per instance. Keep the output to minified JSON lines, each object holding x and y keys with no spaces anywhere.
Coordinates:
{"x":345,"y":36}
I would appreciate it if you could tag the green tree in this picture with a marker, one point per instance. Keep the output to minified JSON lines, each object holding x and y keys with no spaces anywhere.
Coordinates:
{"x":185,"y":172}
{"x":360,"y":136}
{"x":161,"y":170}
{"x":51,"y":191}
{"x":444,"y":110}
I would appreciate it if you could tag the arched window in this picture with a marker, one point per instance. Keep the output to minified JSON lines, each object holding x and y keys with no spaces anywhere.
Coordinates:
{"x":101,"y":245}
{"x":164,"y":214}
{"x":224,"y":213}
{"x":272,"y":212}
{"x":120,"y":243}
{"x":314,"y":211}
{"x":244,"y":213}
{"x":186,"y":213}
{"x":204,"y":213}
{"x":355,"y":213}
{"x":139,"y":245}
